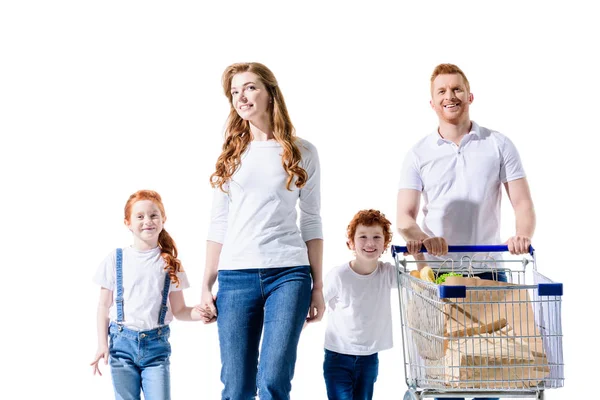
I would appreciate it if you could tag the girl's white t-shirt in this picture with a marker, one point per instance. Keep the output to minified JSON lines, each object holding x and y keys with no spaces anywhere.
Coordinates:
{"x":359,"y":319}
{"x":143,"y":284}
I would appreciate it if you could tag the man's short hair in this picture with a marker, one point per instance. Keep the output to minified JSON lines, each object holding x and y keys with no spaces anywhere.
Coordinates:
{"x":449,"y":69}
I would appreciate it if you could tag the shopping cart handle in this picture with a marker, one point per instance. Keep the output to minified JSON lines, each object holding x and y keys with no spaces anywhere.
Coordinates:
{"x":462,"y":249}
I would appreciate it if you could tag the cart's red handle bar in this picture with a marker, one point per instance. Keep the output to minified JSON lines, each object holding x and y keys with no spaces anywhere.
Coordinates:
{"x":463,"y":249}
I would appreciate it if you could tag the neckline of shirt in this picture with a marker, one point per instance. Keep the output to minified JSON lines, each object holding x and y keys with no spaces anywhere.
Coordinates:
{"x":360,"y":276}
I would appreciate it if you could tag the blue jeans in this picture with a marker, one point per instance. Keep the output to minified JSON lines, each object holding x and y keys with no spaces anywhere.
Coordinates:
{"x":140,"y":360}
{"x":271,"y":301}
{"x":499,"y":276}
{"x":350,"y":377}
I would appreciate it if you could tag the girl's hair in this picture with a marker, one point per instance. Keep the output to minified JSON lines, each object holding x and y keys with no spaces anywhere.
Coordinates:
{"x":165,"y":241}
{"x":238,"y":135}
{"x":370,"y":218}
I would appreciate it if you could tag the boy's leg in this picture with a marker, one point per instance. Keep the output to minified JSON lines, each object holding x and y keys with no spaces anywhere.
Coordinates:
{"x":288,"y":295}
{"x":367,"y":369}
{"x":338,"y":371}
{"x":239,"y":322}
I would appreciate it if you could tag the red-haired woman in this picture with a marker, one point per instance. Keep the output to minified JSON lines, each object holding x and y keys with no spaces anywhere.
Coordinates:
{"x":136,"y":283}
{"x":264,"y":262}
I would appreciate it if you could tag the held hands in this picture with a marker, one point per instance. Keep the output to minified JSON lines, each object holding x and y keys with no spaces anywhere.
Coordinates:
{"x":101,"y":353}
{"x":206,"y":309}
{"x":317,"y":306}
{"x":518,"y":244}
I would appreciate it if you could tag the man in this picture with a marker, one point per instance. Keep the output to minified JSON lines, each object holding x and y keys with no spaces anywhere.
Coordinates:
{"x":460,"y":169}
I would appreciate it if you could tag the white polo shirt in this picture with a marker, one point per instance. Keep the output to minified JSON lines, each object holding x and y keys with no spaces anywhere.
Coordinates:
{"x":461,"y":185}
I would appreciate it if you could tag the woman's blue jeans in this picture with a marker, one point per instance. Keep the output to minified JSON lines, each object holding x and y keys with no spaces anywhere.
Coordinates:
{"x":350,"y":377}
{"x":273,"y":302}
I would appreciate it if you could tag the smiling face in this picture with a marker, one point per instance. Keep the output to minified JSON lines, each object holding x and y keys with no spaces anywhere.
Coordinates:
{"x":249,"y":96}
{"x":368,"y":242}
{"x":146,"y":223}
{"x":450,"y":98}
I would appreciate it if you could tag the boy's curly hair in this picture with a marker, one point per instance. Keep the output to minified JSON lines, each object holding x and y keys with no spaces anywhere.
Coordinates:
{"x":370,"y":218}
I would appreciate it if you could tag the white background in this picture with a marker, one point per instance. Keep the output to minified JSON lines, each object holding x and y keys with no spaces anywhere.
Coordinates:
{"x":100,"y":99}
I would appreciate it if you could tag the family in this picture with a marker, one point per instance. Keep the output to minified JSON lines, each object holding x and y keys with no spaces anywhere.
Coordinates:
{"x":269,"y":267}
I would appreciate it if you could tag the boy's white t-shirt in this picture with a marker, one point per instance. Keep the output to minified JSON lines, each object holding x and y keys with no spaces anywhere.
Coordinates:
{"x":359,"y":318}
{"x":143,"y":284}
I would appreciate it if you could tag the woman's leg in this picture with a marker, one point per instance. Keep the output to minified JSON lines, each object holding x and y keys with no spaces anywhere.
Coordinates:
{"x":240,"y":320}
{"x":288,"y":295}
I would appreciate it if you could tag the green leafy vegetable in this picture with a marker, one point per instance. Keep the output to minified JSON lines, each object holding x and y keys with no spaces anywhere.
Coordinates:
{"x":442,"y":278}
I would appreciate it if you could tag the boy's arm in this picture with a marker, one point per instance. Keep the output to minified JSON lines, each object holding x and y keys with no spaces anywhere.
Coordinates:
{"x":106,"y":299}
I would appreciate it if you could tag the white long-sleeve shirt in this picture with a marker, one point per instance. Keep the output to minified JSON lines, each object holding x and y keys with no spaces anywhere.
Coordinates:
{"x":256,"y":220}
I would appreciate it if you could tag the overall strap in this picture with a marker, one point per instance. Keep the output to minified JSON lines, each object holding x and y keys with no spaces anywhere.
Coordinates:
{"x":119,"y":299}
{"x":165,"y":296}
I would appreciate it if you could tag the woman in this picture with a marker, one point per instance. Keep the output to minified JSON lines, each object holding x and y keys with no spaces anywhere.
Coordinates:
{"x":263,"y":260}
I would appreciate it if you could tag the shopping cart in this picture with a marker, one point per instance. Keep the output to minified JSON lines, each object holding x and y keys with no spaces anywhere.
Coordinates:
{"x":503,"y":340}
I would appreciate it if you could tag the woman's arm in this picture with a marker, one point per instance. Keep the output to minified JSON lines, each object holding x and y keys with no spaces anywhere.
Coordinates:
{"x":315,"y":258}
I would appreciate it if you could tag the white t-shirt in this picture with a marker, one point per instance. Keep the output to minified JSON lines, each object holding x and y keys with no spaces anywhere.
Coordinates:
{"x":143,"y":284}
{"x":359,"y":316}
{"x":256,"y":219}
{"x":462,"y":185}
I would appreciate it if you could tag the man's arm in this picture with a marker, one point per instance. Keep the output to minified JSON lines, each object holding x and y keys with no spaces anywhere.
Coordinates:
{"x":407,"y":210}
{"x":520,"y":198}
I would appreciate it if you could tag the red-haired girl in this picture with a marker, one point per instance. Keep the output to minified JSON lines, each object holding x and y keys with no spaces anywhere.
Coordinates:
{"x":141,"y":291}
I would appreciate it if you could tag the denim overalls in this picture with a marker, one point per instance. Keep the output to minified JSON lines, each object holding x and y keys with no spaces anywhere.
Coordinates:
{"x":139,"y":360}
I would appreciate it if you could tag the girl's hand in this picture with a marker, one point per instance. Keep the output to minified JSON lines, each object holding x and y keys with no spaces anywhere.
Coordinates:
{"x":101,"y":353}
{"x":317,"y":306}
{"x":207,"y":307}
{"x":197,"y":313}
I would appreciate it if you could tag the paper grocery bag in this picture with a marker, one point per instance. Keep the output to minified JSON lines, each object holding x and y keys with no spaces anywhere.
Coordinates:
{"x":481,"y":311}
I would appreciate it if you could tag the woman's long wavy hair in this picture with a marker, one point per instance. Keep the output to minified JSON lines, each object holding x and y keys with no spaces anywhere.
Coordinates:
{"x":166,"y":243}
{"x":238,"y":135}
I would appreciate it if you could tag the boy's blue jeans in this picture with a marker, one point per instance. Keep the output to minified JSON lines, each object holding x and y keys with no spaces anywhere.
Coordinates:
{"x":140,"y":360}
{"x":498,"y":276}
{"x":350,"y":377}
{"x":271,"y":301}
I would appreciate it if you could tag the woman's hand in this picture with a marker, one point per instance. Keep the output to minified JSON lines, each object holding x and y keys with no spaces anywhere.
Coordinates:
{"x":317,"y":306}
{"x":207,"y":307}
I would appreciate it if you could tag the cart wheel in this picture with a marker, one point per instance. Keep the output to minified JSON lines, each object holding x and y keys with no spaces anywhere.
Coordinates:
{"x":540,"y":395}
{"x":411,"y":395}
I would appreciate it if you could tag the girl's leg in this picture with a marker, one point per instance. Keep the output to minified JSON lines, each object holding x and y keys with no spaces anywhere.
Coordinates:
{"x":240,"y":319}
{"x":338,"y":371}
{"x":288,"y":295}
{"x":125,"y":373}
{"x":155,"y":364}
{"x":367,"y":369}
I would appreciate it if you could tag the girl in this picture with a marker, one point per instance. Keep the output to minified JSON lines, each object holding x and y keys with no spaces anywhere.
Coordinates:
{"x":357,"y":295}
{"x":264,"y":262}
{"x":140,"y":293}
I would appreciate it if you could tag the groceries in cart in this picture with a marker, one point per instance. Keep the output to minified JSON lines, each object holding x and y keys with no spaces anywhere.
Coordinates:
{"x":467,"y":334}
